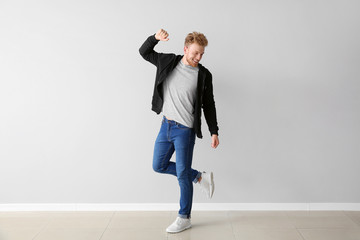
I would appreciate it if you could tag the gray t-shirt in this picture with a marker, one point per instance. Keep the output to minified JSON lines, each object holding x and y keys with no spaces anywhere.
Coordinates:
{"x":179,"y":94}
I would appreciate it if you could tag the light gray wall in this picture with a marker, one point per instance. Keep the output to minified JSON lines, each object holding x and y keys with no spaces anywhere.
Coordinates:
{"x":75,"y":118}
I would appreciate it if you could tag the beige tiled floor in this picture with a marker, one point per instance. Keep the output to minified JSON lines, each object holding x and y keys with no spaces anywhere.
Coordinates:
{"x":219,"y":225}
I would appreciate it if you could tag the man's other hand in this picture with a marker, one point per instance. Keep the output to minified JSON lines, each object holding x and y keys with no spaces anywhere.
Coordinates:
{"x":214,"y":141}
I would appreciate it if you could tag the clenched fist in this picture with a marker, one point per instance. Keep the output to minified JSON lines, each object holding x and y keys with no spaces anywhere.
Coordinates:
{"x":162,"y":35}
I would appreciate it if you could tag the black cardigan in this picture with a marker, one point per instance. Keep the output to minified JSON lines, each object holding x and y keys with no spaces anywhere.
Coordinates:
{"x":165,"y":63}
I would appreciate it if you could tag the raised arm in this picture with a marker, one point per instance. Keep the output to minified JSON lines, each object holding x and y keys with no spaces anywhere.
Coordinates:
{"x":147,"y":49}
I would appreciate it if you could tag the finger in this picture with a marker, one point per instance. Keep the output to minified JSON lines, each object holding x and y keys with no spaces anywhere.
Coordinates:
{"x":216,"y":143}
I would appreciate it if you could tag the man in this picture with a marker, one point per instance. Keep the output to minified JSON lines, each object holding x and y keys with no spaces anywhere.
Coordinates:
{"x":182,"y":87}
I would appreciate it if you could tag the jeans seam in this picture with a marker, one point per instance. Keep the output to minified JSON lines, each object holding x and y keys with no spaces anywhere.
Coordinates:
{"x":189,"y":170}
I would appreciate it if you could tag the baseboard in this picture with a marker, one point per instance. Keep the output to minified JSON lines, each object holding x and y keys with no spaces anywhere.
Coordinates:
{"x":175,"y":206}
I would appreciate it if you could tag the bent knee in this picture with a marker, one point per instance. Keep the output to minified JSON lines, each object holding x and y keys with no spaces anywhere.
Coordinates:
{"x":158,"y":168}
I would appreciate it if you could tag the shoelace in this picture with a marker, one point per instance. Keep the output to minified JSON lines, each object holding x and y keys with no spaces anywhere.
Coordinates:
{"x":180,"y":221}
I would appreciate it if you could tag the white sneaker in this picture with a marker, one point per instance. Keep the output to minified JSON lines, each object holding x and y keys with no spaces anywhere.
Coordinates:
{"x":179,"y":225}
{"x":207,"y":184}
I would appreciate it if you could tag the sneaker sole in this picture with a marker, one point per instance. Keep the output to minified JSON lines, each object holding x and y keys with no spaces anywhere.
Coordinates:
{"x":212,"y":185}
{"x":179,"y":230}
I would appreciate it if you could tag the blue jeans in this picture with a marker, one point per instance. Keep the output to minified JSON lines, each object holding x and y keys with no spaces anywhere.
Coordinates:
{"x":174,"y":136}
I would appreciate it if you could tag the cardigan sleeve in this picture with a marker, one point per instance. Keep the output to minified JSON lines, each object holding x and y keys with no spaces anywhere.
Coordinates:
{"x":209,"y":106}
{"x":147,"y":50}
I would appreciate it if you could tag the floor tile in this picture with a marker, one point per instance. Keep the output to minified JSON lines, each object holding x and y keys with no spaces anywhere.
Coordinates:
{"x":61,"y":233}
{"x":143,"y":214}
{"x":258,"y":213}
{"x":134,"y":234}
{"x":208,"y":232}
{"x":330,"y":234}
{"x":27,"y":214}
{"x":80,"y":219}
{"x":259,"y":220}
{"x":35,"y":220}
{"x":143,"y":220}
{"x":320,"y":219}
{"x":268,"y":234}
{"x":354,"y":215}
{"x":18,"y":233}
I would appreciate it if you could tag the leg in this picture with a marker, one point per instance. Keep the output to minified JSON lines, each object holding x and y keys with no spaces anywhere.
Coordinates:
{"x":184,"y":146}
{"x":163,"y":150}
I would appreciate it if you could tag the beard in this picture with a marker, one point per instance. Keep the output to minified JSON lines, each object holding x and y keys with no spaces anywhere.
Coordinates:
{"x":191,"y":62}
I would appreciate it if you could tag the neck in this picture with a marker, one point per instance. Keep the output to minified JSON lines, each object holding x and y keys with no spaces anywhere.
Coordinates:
{"x":185,"y":61}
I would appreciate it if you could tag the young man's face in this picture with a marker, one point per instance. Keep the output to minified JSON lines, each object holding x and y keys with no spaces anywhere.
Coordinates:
{"x":193,"y":54}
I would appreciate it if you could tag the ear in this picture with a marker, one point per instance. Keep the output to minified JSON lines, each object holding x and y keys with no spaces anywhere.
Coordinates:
{"x":185,"y":49}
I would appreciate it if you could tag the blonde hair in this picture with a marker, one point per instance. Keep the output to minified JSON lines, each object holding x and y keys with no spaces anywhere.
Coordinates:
{"x":196,"y":37}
